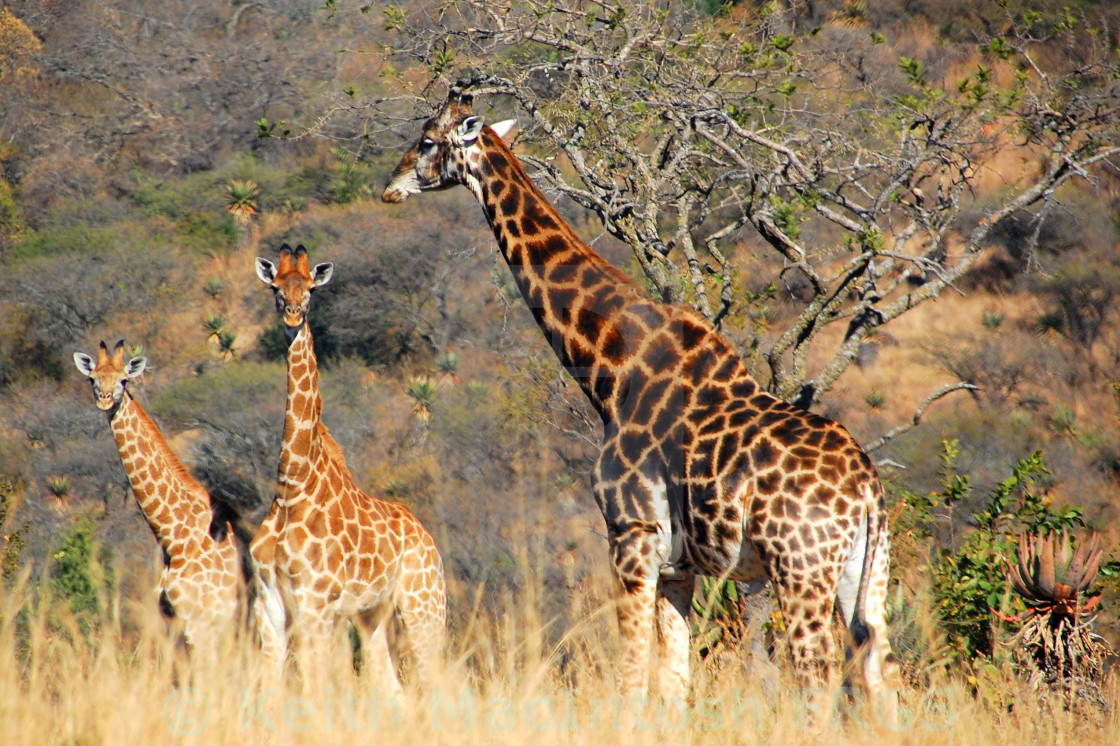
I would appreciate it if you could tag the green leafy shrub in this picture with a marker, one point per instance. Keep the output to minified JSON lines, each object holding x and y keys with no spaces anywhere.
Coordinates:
{"x":969,"y":576}
{"x":81,"y":574}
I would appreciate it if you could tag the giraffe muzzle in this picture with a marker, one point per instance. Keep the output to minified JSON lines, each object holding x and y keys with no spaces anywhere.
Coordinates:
{"x":402,"y":185}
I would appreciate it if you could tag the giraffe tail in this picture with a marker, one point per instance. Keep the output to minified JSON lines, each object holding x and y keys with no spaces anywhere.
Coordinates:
{"x":875,"y":531}
{"x":867,"y":623}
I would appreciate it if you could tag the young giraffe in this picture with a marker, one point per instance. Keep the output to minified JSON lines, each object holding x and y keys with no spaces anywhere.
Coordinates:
{"x":327,"y":552}
{"x":202,"y":577}
{"x":701,"y":471}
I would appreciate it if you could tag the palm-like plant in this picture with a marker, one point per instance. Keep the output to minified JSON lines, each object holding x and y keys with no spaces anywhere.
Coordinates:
{"x":447,"y":365}
{"x":422,"y":390}
{"x":242,"y":199}
{"x":1053,"y":577}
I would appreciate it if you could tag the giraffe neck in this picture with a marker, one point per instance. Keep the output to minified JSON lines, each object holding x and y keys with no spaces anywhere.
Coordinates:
{"x":575,"y":295}
{"x":302,"y":445}
{"x":177,"y":507}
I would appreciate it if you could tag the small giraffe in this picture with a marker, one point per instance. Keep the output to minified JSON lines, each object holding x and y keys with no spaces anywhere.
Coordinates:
{"x":701,"y":471}
{"x":327,"y":552}
{"x":202,"y":575}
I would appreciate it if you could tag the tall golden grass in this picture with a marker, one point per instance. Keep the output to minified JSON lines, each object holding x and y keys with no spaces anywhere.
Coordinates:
{"x":512,"y":677}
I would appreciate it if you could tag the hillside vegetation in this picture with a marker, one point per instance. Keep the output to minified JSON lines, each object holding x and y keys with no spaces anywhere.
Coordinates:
{"x":150,"y":151}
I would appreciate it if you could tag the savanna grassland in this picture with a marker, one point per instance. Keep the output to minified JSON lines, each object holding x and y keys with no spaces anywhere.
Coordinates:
{"x":149,"y":153}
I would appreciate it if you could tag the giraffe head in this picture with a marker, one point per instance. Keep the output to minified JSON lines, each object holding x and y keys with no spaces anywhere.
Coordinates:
{"x":109,"y":374}
{"x":292,"y":283}
{"x":442,"y":156}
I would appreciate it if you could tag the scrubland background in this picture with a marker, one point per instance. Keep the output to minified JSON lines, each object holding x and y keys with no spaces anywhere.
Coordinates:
{"x":123,"y":127}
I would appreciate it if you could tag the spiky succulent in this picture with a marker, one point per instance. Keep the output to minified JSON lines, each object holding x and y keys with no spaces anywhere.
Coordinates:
{"x":1052,"y":576}
{"x":1055,"y":644}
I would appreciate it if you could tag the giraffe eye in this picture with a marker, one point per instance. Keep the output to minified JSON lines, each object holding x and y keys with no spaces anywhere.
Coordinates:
{"x":427,"y":144}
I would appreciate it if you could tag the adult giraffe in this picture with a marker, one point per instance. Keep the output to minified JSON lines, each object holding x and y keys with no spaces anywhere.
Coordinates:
{"x":327,"y":552}
{"x":202,"y":572}
{"x":701,"y":471}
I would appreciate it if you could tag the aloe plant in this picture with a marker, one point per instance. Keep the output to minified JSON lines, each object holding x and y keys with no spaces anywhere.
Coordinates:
{"x":1055,"y":644}
{"x":1051,"y":576}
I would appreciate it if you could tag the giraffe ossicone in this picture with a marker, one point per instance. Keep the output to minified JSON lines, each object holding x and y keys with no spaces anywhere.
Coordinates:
{"x":202,"y":581}
{"x":701,"y":472}
{"x":327,"y":552}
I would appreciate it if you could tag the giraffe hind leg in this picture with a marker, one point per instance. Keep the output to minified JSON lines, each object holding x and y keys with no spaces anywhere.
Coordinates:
{"x":378,"y":666}
{"x":422,"y":609}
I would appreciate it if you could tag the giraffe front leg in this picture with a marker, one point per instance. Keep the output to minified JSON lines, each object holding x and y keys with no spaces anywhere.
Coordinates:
{"x":268,"y":616}
{"x":633,"y":499}
{"x":636,"y":599}
{"x":674,"y":602}
{"x":636,"y":589}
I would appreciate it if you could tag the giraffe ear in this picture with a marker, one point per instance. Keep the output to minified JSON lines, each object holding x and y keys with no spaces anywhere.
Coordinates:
{"x":266,"y":270}
{"x":135,"y":367}
{"x":84,"y":363}
{"x":321,"y":275}
{"x":503,"y":127}
{"x":470,"y":129}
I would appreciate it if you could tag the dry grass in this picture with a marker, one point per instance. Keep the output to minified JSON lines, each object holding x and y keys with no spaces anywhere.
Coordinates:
{"x":512,"y":678}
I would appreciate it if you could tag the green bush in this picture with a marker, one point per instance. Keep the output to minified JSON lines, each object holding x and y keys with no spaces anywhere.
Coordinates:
{"x":82,"y":575}
{"x":969,"y":575}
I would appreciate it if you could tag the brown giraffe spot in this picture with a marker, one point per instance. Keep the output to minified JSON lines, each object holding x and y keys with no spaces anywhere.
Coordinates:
{"x":538,"y":217}
{"x":710,"y":397}
{"x":712,"y":425}
{"x":561,"y":300}
{"x":763,"y":401}
{"x":666,"y":425}
{"x":613,"y":346}
{"x":700,"y":365}
{"x":728,"y":452}
{"x":660,"y":354}
{"x":728,"y":368}
{"x":582,"y":358}
{"x":764,"y":455}
{"x":498,"y":162}
{"x":807,"y":537}
{"x":833,"y":441}
{"x":740,"y":419}
{"x":589,"y":324}
{"x":608,"y":388}
{"x":692,"y":334}
{"x":768,"y":483}
{"x":511,"y":201}
{"x":562,"y":274}
{"x":700,"y":535}
{"x":726,"y":533}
